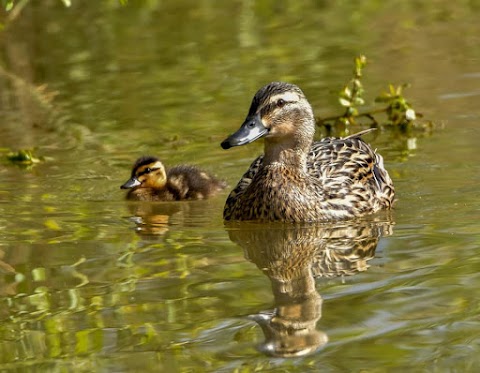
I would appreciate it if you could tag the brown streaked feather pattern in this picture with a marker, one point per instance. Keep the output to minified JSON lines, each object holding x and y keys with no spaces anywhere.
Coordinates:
{"x":345,"y":178}
{"x":336,"y":178}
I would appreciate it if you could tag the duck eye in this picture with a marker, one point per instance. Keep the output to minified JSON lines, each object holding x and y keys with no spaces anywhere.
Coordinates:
{"x":281,"y":102}
{"x":148,"y":170}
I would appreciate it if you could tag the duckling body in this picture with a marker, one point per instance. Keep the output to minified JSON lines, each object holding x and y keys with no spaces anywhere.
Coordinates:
{"x":150,"y":181}
{"x":298,"y":180}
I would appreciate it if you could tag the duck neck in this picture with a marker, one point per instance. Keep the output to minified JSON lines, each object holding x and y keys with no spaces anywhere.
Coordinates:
{"x":292,"y":148}
{"x":286,"y":154}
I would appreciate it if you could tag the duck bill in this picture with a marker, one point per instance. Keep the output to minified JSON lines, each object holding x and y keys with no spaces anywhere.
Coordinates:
{"x":132,"y":183}
{"x":251,"y":130}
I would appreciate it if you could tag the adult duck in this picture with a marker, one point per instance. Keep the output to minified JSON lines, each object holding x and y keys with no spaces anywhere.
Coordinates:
{"x":298,"y":180}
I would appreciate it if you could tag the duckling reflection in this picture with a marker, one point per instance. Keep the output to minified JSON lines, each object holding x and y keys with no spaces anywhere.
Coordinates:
{"x":292,"y":257}
{"x":156,"y":218}
{"x":153,"y":219}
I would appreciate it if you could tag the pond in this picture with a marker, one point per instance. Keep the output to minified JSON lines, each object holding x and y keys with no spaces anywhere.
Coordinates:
{"x":89,"y":282}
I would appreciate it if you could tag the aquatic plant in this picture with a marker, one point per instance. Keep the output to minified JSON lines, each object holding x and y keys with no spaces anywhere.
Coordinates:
{"x":398,"y":110}
{"x":24,"y":157}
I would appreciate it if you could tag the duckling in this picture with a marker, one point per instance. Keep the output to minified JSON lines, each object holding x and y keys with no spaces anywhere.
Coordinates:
{"x":150,"y":181}
{"x":298,"y":180}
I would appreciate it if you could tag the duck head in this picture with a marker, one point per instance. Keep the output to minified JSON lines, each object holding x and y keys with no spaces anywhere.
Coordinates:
{"x":147,"y":172}
{"x":281,"y":114}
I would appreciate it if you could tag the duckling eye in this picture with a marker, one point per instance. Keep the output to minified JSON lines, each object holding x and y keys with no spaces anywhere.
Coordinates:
{"x":148,"y":170}
{"x":281,"y":102}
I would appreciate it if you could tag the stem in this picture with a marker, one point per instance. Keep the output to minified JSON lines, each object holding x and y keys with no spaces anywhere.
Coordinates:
{"x":368,"y":114}
{"x":15,"y":12}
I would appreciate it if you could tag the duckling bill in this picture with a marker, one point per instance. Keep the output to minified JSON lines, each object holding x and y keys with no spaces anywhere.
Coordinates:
{"x":150,"y":181}
{"x":297,"y":179}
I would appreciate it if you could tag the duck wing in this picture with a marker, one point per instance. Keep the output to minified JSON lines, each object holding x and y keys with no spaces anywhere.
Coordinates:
{"x":350,"y":165}
{"x":244,"y":182}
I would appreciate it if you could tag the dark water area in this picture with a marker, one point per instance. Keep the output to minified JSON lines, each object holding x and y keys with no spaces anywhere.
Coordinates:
{"x":89,"y":282}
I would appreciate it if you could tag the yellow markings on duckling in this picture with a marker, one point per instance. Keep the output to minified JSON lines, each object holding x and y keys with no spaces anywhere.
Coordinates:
{"x":150,"y":181}
{"x":204,"y":176}
{"x":177,"y":180}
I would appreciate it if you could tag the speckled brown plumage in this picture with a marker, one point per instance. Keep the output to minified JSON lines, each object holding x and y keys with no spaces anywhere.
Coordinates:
{"x":150,"y":181}
{"x":299,"y":180}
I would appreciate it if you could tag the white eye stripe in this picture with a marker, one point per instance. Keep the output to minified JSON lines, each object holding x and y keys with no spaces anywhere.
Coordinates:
{"x":287,"y":96}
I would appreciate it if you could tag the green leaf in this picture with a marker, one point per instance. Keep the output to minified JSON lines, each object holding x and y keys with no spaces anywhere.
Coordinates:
{"x":357,"y":84}
{"x":345,"y":93}
{"x":9,"y":5}
{"x":359,"y":101}
{"x":360,"y":63}
{"x":384,"y":97}
{"x":344,"y":102}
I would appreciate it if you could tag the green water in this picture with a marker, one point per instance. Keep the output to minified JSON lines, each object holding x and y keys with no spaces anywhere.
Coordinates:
{"x":90,"y":283}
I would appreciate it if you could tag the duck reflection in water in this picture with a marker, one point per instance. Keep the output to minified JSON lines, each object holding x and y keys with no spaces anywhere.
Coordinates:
{"x":292,"y":256}
{"x":153,"y":219}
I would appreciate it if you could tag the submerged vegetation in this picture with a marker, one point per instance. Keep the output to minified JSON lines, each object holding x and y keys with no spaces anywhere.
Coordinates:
{"x":24,"y":157}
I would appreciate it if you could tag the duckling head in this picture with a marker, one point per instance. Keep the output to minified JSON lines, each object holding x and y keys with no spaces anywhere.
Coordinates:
{"x":281,"y":114}
{"x":147,"y":172}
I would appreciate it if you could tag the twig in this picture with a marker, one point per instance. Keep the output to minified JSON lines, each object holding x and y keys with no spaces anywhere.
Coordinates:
{"x":368,"y":114}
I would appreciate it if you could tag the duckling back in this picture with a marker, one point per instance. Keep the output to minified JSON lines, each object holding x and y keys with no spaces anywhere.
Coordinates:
{"x":190,"y":182}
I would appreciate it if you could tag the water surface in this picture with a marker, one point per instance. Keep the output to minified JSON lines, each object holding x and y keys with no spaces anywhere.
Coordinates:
{"x":91,"y":283}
